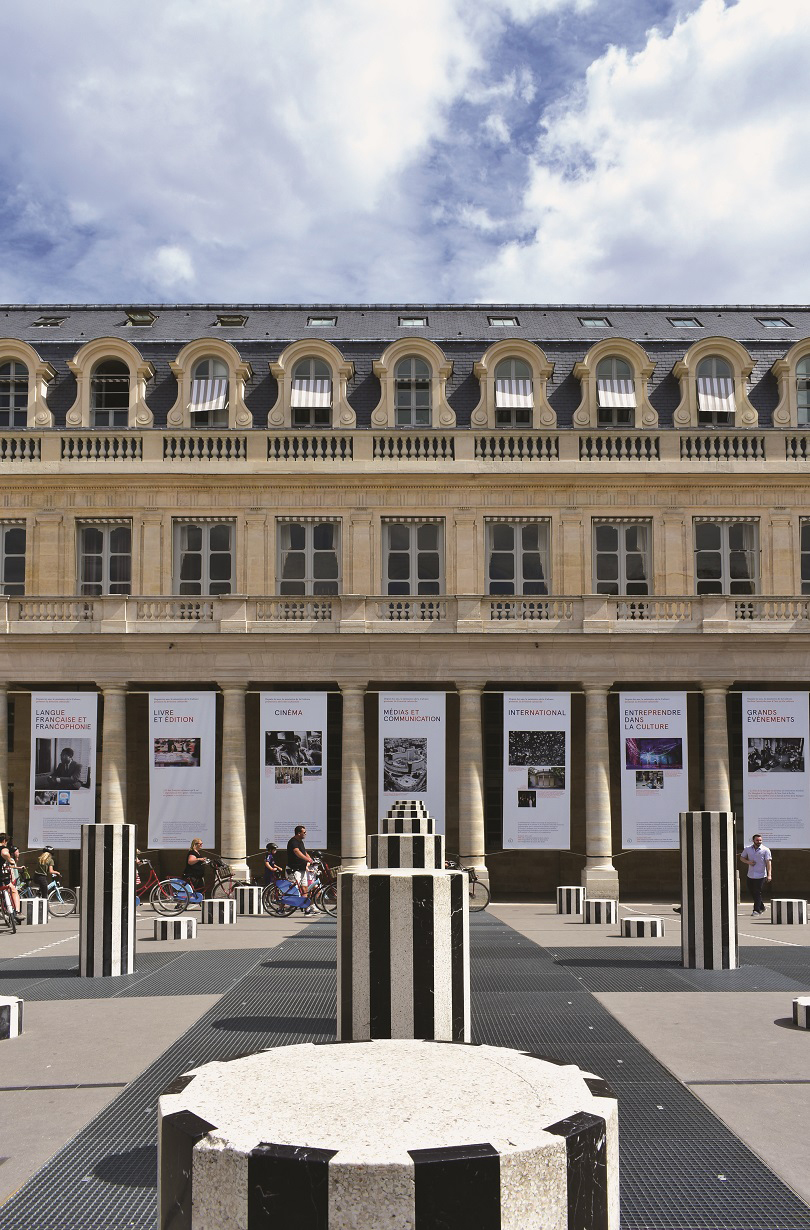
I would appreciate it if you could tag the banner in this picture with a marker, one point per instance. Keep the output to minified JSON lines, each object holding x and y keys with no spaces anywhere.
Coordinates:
{"x":775,"y":787}
{"x":293,"y":768}
{"x":182,"y":768}
{"x":537,"y":771}
{"x":63,"y":768}
{"x":654,"y":769}
{"x":412,"y":751}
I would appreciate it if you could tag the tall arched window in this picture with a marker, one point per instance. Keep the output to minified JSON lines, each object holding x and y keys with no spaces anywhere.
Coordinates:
{"x":616,"y":392}
{"x":13,"y":394}
{"x":715,"y":390}
{"x":803,"y":392}
{"x":514,"y":393}
{"x":109,"y":394}
{"x":209,"y":393}
{"x":311,"y":394}
{"x":412,"y":393}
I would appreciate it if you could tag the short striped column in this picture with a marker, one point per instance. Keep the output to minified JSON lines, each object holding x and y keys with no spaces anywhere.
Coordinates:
{"x":801,"y":1012}
{"x":35,"y":910}
{"x":184,"y":928}
{"x":403,"y":955}
{"x":538,"y":1145}
{"x":406,"y":850}
{"x":708,"y":890}
{"x":643,"y":928}
{"x":218,"y":910}
{"x":11,"y":1017}
{"x":107,"y":930}
{"x":408,"y":818}
{"x":570,"y":898}
{"x":788,"y":910}
{"x":248,"y":899}
{"x":600,"y":910}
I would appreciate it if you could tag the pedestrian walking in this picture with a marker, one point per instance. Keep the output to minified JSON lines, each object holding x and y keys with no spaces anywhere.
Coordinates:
{"x":758,"y":859}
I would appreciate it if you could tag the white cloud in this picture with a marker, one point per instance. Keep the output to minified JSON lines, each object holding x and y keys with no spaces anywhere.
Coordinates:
{"x":495,"y":129}
{"x":172,"y":267}
{"x":677,"y":173}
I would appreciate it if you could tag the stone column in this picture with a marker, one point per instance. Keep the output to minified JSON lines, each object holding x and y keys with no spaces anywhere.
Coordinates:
{"x":3,"y":758}
{"x":107,"y":919}
{"x":716,"y":793}
{"x":471,"y":827}
{"x":708,"y":899}
{"x":353,"y":779}
{"x":114,"y":755}
{"x":233,"y":835}
{"x":599,"y":876}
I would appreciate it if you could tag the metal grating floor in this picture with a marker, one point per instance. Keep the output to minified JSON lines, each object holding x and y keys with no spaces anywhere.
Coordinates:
{"x":682,"y":1169}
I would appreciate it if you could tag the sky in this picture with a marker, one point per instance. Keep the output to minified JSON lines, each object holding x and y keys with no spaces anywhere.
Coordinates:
{"x":459,"y":151}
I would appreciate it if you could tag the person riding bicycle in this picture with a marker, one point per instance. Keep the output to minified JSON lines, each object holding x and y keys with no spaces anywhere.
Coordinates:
{"x":271,"y":868}
{"x":45,"y":871}
{"x":8,"y":866}
{"x":298,"y":861}
{"x":196,"y":863}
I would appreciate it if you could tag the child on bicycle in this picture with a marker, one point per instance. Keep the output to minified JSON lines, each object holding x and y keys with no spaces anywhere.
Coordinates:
{"x":45,"y":870}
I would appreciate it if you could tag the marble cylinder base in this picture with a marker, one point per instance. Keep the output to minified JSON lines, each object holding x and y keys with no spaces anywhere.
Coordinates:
{"x":403,"y":955}
{"x":184,"y":928}
{"x":801,"y":1012}
{"x":107,"y":930}
{"x":248,"y":899}
{"x":220,"y":910}
{"x":406,"y":850}
{"x":708,"y":890}
{"x":602,"y":910}
{"x":640,"y":928}
{"x":789,"y":910}
{"x":35,"y":911}
{"x":410,"y":817}
{"x":537,"y":1146}
{"x":11,"y":1017}
{"x":570,"y":898}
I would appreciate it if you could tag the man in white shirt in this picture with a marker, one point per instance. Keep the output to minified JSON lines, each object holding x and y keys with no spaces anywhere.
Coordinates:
{"x":758,"y":859}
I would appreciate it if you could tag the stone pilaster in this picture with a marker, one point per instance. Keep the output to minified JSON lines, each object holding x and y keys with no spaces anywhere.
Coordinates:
{"x":716,"y":793}
{"x":599,"y":876}
{"x":114,"y":755}
{"x":233,"y":839}
{"x":471,"y":825}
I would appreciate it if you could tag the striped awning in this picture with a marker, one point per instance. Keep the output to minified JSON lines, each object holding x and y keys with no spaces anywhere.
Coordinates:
{"x":311,"y":393}
{"x":209,"y":395}
{"x":514,"y":394}
{"x":619,"y":393}
{"x":715,"y":395}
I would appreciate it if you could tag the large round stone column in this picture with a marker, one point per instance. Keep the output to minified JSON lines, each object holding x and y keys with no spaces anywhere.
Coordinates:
{"x":3,"y":758}
{"x":599,"y":876}
{"x":114,"y":755}
{"x":233,"y":838}
{"x":353,"y":778}
{"x":716,"y":791}
{"x":471,"y":826}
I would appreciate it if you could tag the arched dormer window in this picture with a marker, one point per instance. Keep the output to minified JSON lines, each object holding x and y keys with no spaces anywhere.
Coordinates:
{"x":793,"y":374}
{"x":803,"y":393}
{"x":13,"y":394}
{"x":615,"y":375}
{"x":714,"y":385}
{"x":209,"y":393}
{"x":413,"y":375}
{"x":311,"y":394}
{"x":109,"y":394}
{"x":111,"y":378}
{"x":313,"y":379}
{"x":24,"y":380}
{"x":513,"y":375}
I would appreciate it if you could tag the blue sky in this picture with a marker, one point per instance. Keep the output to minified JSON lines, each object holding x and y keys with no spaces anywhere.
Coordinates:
{"x":443,"y":150}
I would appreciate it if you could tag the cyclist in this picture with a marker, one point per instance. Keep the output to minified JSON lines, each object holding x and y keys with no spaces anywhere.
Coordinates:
{"x":271,"y":868}
{"x":8,"y":867}
{"x":298,"y":862}
{"x":45,"y":870}
{"x":196,"y":863}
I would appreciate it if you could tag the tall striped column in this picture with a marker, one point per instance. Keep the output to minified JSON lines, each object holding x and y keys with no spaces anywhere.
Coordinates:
{"x":107,"y":930}
{"x":403,"y":955}
{"x":708,"y":895}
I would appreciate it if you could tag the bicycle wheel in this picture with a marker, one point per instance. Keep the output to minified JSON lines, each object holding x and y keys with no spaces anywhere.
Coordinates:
{"x":273,"y":902}
{"x":479,"y":896}
{"x":329,"y":899}
{"x":170,"y":897}
{"x":8,"y":914}
{"x":61,"y":902}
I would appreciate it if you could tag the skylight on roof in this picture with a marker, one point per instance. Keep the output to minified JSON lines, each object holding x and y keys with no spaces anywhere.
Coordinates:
{"x":594,"y":322}
{"x":413,"y":322}
{"x":685,"y":322}
{"x":230,"y":320}
{"x":774,"y":322}
{"x":142,"y":317}
{"x":47,"y":322}
{"x":321,"y":322}
{"x":504,"y":322}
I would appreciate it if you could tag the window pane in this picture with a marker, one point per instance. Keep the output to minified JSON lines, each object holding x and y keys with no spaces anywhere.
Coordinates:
{"x":635,"y":538}
{"x":399,"y":538}
{"x":634,"y":568}
{"x":293,"y":566}
{"x":220,"y":567}
{"x":533,"y":566}
{"x":323,"y":537}
{"x":428,"y":565}
{"x":14,"y":569}
{"x":192,"y":538}
{"x":707,"y":536}
{"x":739,"y":565}
{"x":15,"y":540}
{"x":503,"y":537}
{"x":120,"y":566}
{"x":324,"y":565}
{"x":607,"y":567}
{"x":191,"y":568}
{"x":91,"y":568}
{"x":220,"y":538}
{"x":399,"y":566}
{"x":501,"y":566}
{"x":427,"y":537}
{"x":530,"y":537}
{"x":93,"y":540}
{"x":120,"y":538}
{"x":607,"y":538}
{"x":708,"y":565}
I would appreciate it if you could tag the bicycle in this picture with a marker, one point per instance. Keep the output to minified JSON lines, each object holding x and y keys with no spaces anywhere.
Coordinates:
{"x":7,"y":911}
{"x":281,"y":897}
{"x":323,"y":891}
{"x":62,"y":901}
{"x":170,"y":896}
{"x":479,"y":894}
{"x":223,"y":884}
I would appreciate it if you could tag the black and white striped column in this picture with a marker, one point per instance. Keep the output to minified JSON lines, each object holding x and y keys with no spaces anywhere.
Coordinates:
{"x":789,"y":910}
{"x":408,"y":818}
{"x":708,"y":890}
{"x":600,"y":910}
{"x":11,"y":1017}
{"x":640,"y":927}
{"x":183,"y":928}
{"x":248,"y":899}
{"x":538,"y":1145}
{"x":107,"y":930}
{"x":406,"y":850}
{"x":570,"y":898}
{"x":221,"y":910}
{"x":35,"y":910}
{"x":403,"y":955}
{"x":801,"y":1012}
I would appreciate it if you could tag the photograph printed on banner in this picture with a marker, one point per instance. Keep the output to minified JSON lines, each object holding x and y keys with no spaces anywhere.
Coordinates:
{"x":177,"y":753}
{"x":61,"y":763}
{"x":288,"y":775}
{"x":543,"y":748}
{"x":46,"y":798}
{"x":649,"y":779}
{"x":772,"y":755}
{"x":551,"y":778}
{"x":292,"y":747}
{"x":405,"y":768}
{"x":526,"y":798}
{"x":653,"y":753}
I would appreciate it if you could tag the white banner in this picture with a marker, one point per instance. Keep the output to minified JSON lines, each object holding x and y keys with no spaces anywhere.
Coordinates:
{"x":182,"y":769}
{"x":536,"y":771}
{"x":774,"y":752}
{"x":63,"y":768}
{"x":293,"y":767}
{"x":654,"y":769}
{"x":412,"y":751}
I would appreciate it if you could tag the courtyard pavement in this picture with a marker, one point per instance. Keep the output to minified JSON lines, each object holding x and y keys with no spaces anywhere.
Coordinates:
{"x":713,"y":1085}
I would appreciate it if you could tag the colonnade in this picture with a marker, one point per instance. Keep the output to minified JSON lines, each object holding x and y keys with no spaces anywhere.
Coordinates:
{"x":599,"y":874}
